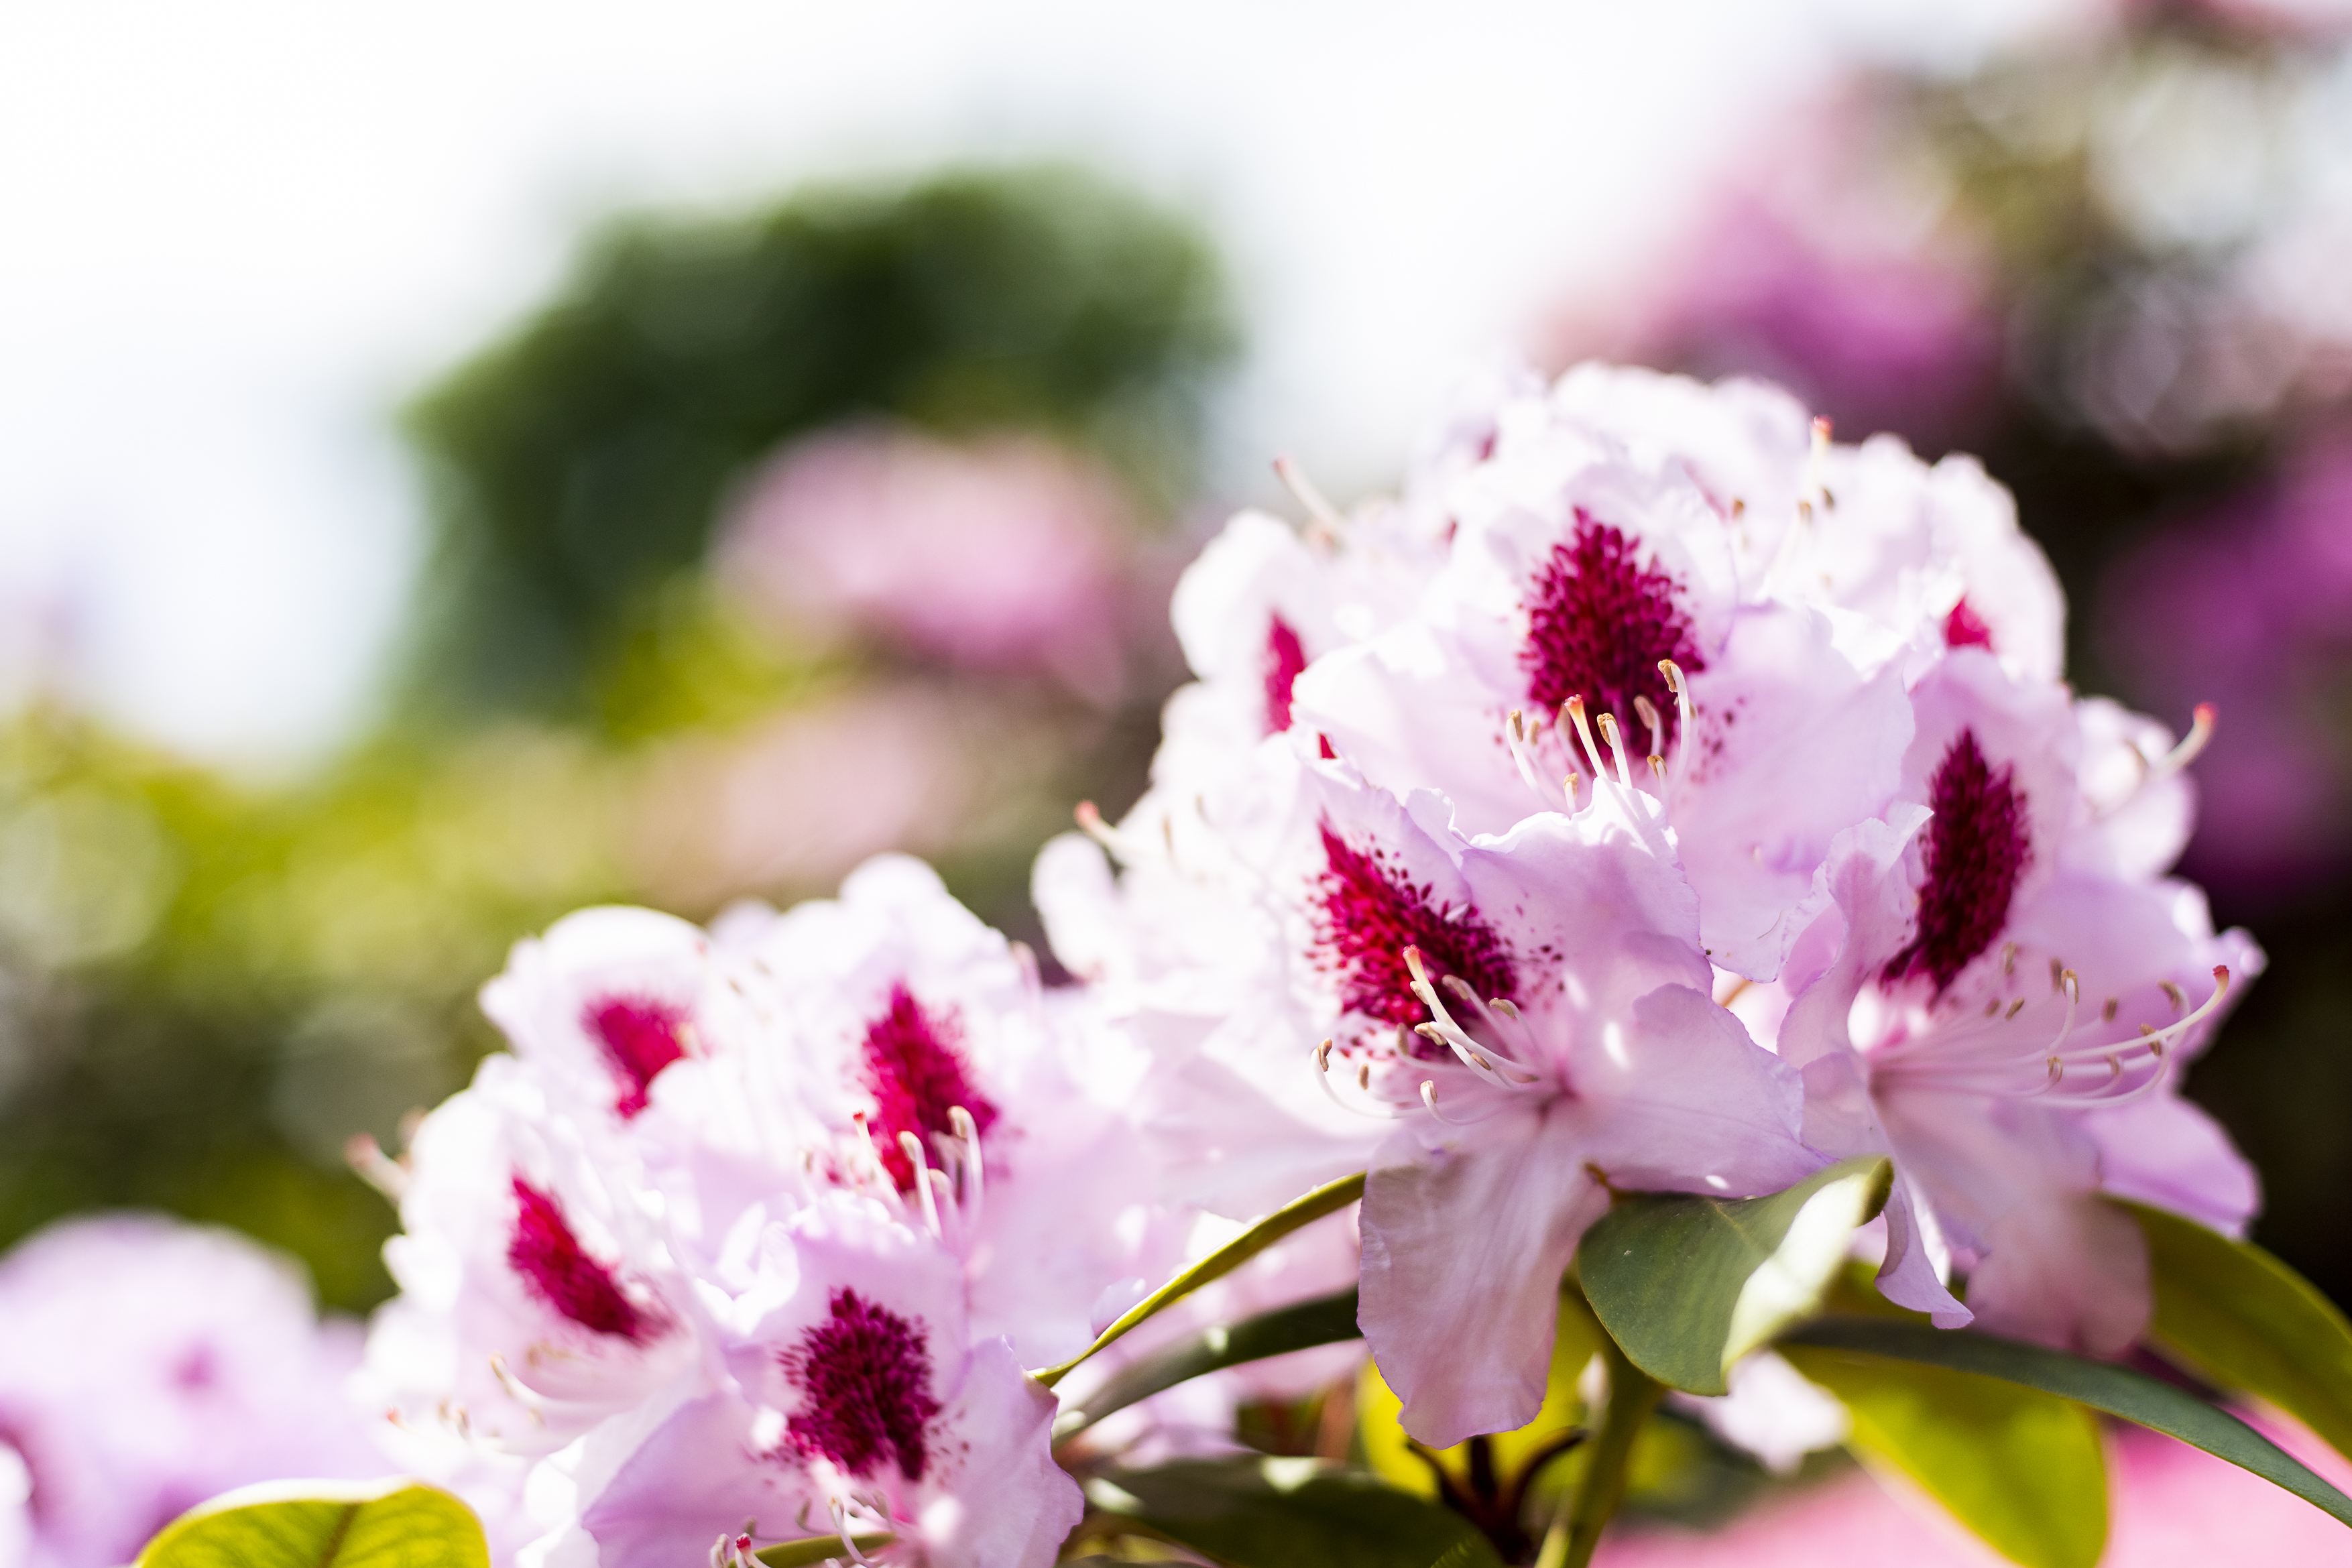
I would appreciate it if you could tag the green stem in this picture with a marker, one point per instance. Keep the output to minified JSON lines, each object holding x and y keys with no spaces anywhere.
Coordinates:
{"x":1576,"y":1530}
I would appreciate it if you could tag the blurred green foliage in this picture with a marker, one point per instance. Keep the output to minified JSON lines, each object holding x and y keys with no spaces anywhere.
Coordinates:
{"x":206,"y":988}
{"x":578,"y":464}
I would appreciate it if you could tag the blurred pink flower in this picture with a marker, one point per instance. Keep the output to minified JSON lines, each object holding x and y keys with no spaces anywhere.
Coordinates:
{"x":2169,"y":1507}
{"x":803,"y":797}
{"x":1826,"y":266}
{"x":2250,"y":607}
{"x":150,"y":1364}
{"x":1000,"y":554}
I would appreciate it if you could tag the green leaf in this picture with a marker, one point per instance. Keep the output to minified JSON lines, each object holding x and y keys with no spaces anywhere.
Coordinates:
{"x":1290,"y":1513}
{"x":1326,"y":1320}
{"x":2243,"y":1319}
{"x":396,"y":1524}
{"x":1329,"y":1199}
{"x":811,"y":1550}
{"x":1687,"y":1285}
{"x":2022,"y":1469}
{"x":2116,"y":1390}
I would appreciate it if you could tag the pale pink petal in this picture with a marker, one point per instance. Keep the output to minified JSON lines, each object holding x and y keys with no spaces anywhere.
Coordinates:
{"x":1463,"y":1250}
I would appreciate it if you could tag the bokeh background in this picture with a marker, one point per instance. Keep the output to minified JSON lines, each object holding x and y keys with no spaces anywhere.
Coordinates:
{"x":461,"y":463}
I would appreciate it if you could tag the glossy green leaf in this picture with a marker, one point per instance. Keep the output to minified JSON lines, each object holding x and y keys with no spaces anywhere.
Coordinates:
{"x":1326,"y":1320}
{"x":2243,"y":1319}
{"x":811,"y":1550}
{"x":324,"y":1524}
{"x":2118,"y":1390}
{"x":1687,"y":1285}
{"x":2022,"y":1469}
{"x":1290,"y":1513}
{"x":1329,"y":1199}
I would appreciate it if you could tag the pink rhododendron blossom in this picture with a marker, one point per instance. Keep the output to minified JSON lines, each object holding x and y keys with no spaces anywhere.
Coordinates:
{"x":948,"y":1083}
{"x":1596,"y":549}
{"x":1001,"y":553}
{"x":148,"y":1365}
{"x":537,"y":1296}
{"x":1606,"y":1065}
{"x":2009,"y":1020}
{"x":856,"y":1401}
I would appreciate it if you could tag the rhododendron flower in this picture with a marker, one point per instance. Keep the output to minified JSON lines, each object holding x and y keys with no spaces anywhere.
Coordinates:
{"x":1571,"y":1048}
{"x":858,"y":1402}
{"x":537,"y":1294}
{"x":607,"y":999}
{"x":2009,"y":1020}
{"x":947,"y":1084}
{"x":1679,"y":560}
{"x":148,"y":1365}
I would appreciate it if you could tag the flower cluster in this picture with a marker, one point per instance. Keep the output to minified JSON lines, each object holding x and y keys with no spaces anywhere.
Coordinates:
{"x":1661,"y":796}
{"x":1658,"y":795}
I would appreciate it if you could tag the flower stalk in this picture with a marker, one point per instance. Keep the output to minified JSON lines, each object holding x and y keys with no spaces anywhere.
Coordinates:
{"x":1576,"y":1529}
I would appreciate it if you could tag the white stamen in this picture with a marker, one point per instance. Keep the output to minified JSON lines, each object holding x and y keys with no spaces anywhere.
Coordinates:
{"x":2172,"y":993}
{"x":1328,"y":523}
{"x":1608,"y":722}
{"x":1429,"y":1098}
{"x":1519,"y":740}
{"x":2200,"y":735}
{"x":1677,"y":684}
{"x":1815,"y":493}
{"x":841,"y":1528}
{"x":1568,"y":787}
{"x":876,"y":1171}
{"x":1573,"y":712}
{"x":975,"y":1174}
{"x":912,"y":1146}
{"x":1442,"y":1028}
{"x":373,"y":1165}
{"x":1091,"y":823}
{"x":1647,"y":712}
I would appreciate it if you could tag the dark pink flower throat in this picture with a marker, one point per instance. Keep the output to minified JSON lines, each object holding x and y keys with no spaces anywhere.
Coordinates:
{"x":1367,"y":912}
{"x":865,"y":1376}
{"x":1285,"y":659}
{"x":559,"y":1271}
{"x":1964,"y":628}
{"x":1976,"y":849}
{"x":916,"y":1071}
{"x":639,"y":1036}
{"x":1599,"y":621}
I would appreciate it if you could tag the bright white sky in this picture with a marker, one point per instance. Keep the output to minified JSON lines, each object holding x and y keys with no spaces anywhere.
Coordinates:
{"x":237,"y":234}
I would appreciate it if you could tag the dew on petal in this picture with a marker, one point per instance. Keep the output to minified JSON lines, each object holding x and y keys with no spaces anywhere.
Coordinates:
{"x":1599,"y":621}
{"x":1964,"y":628}
{"x":1367,"y":912}
{"x":865,"y":1375}
{"x":916,"y":1071}
{"x":1285,"y":658}
{"x":1976,"y":849}
{"x":561,"y":1272}
{"x":639,"y":1036}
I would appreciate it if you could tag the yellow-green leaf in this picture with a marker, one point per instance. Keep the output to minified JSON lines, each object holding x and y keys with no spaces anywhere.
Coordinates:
{"x":2243,"y":1319}
{"x":811,"y":1550}
{"x":2021,"y":1468}
{"x":324,"y":1524}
